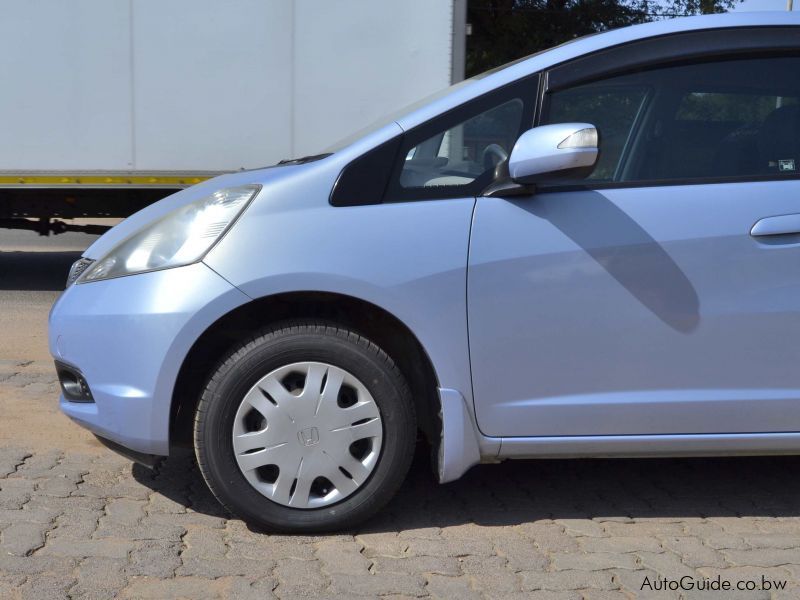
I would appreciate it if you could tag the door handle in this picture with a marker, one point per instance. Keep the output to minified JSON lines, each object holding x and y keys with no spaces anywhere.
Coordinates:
{"x":780,"y":225}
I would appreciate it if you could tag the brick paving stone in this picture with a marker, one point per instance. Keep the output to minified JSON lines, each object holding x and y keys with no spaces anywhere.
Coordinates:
{"x":11,"y":459}
{"x":377,"y":584}
{"x":576,"y":579}
{"x":763,"y":557}
{"x":773,"y":540}
{"x":490,"y":576}
{"x":619,"y":544}
{"x":342,"y":558}
{"x":14,"y":493}
{"x":46,"y":586}
{"x":82,"y":548}
{"x":693,"y":552}
{"x":149,"y":588}
{"x":22,"y":537}
{"x":666,"y":564}
{"x":35,"y":565}
{"x":440,"y":586}
{"x":204,"y":543}
{"x":154,"y":559}
{"x":438,"y":565}
{"x":598,"y":561}
{"x":243,"y":588}
{"x":99,"y":577}
{"x":92,"y":526}
{"x":299,"y":578}
{"x":214,"y":568}
{"x":583,"y":527}
{"x":521,"y":553}
{"x":548,"y":537}
{"x":382,"y":544}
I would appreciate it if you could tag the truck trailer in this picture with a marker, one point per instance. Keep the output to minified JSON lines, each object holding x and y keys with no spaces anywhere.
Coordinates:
{"x":110,"y":105}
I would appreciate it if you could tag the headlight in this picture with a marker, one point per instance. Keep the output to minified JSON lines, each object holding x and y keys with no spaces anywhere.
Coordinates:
{"x":180,"y":238}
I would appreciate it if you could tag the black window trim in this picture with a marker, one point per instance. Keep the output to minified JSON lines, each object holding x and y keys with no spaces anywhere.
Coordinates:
{"x":672,"y":48}
{"x":736,"y":43}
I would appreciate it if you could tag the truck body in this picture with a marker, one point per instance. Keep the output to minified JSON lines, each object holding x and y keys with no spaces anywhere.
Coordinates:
{"x":111,"y":105}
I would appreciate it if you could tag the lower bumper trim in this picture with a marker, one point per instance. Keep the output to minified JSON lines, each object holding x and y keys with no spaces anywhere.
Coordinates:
{"x":146,"y":460}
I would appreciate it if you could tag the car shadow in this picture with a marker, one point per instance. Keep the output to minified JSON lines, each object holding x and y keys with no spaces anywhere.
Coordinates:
{"x":626,"y":251}
{"x":519,"y":492}
{"x":35,"y":271}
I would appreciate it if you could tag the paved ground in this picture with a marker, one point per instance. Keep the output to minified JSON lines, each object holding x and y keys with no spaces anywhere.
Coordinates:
{"x":77,"y":521}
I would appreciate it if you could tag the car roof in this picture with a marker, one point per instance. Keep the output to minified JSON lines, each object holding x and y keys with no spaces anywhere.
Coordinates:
{"x":486,"y":82}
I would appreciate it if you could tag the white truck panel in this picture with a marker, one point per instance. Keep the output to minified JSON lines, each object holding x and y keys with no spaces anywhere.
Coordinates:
{"x":206,"y":85}
{"x":357,"y":60}
{"x":212,"y":83}
{"x":66,"y":96}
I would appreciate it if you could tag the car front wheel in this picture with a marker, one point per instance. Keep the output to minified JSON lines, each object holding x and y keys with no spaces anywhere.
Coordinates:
{"x":306,"y":427}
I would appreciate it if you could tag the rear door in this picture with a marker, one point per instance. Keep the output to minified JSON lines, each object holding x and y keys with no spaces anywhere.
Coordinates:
{"x":643,"y":300}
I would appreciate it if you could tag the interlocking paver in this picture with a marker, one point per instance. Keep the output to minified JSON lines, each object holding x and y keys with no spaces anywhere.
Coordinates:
{"x":22,"y":537}
{"x":440,"y":586}
{"x":93,"y":526}
{"x":299,"y":578}
{"x":575,"y":579}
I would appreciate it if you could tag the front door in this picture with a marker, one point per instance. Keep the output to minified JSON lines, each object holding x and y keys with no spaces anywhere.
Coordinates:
{"x":644,"y":300}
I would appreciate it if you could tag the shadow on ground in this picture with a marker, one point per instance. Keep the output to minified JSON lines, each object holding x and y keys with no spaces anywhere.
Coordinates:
{"x":35,"y":271}
{"x":518,"y":492}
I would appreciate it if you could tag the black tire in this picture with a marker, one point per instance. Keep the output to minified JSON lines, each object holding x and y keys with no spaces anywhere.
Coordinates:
{"x":274,"y":348}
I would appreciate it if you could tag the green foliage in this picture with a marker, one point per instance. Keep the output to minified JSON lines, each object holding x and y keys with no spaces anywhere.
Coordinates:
{"x":504,"y":30}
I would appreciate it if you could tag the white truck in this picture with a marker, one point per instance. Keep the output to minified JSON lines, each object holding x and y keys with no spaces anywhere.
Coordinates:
{"x":108,"y":105}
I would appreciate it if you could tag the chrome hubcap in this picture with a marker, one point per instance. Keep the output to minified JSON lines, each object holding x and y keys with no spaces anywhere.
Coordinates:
{"x":307,"y":435}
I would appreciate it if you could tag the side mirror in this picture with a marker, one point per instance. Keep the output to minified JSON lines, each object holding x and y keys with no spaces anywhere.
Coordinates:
{"x":553,"y":152}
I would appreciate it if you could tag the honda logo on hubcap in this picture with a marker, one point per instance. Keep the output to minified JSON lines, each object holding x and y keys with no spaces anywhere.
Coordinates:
{"x":308,"y":436}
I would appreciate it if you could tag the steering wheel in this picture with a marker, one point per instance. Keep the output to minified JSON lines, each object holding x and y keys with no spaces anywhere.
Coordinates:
{"x":493,"y":155}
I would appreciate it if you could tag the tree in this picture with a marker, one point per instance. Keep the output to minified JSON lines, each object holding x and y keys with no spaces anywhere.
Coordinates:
{"x":503,"y":30}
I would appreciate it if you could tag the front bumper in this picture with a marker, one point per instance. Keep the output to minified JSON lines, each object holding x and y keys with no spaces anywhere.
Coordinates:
{"x":128,"y":337}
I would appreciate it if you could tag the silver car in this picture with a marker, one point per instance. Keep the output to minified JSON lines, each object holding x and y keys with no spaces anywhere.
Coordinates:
{"x":594,"y":251}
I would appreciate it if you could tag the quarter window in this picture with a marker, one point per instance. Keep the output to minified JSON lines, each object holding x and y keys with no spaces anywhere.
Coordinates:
{"x":455,"y":154}
{"x":461,"y":154}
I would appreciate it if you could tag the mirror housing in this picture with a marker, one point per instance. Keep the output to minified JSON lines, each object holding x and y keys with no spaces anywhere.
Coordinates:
{"x":553,"y":152}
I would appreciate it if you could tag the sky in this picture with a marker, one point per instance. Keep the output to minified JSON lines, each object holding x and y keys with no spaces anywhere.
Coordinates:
{"x":766,"y":5}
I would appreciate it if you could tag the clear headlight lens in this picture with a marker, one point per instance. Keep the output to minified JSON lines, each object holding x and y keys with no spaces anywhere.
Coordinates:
{"x":180,"y":238}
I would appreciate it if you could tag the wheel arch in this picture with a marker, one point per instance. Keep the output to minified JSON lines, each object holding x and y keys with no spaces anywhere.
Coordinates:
{"x":368,"y":319}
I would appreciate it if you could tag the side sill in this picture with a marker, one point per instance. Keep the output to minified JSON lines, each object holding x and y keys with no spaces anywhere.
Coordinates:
{"x":643,"y":446}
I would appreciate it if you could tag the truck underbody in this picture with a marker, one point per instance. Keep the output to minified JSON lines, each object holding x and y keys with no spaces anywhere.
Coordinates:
{"x":46,"y":202}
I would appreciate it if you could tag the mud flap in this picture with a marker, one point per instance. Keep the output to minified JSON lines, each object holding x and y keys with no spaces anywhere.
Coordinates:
{"x":458,"y":448}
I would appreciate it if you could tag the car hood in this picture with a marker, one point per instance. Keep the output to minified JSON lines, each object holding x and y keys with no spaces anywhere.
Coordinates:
{"x":157,"y":210}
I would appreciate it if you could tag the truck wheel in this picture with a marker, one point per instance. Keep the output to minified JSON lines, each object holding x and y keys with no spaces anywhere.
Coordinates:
{"x":308,"y":427}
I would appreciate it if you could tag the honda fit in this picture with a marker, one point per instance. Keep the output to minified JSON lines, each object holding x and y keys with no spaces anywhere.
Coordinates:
{"x":593,"y":251}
